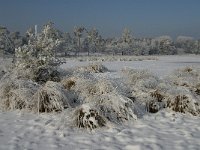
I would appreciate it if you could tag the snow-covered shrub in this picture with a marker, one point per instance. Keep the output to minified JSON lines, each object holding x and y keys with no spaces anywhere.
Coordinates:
{"x":178,"y":92}
{"x":197,"y":89}
{"x":102,"y":97}
{"x":116,"y":108}
{"x":16,"y":94}
{"x":187,"y":76}
{"x":93,"y":68}
{"x":68,"y":83}
{"x":4,"y":66}
{"x":185,"y":85}
{"x":51,"y":97}
{"x":87,"y":117}
{"x":135,"y":75}
{"x":184,"y":104}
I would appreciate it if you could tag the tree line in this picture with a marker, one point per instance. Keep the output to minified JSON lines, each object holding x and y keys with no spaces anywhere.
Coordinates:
{"x":89,"y":41}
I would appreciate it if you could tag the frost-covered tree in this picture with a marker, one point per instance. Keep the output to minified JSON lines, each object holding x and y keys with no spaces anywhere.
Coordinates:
{"x":127,"y":41}
{"x":94,"y":41}
{"x":186,"y":43}
{"x":141,"y":46}
{"x":6,"y":44}
{"x":38,"y":56}
{"x":197,"y":47}
{"x":17,"y":39}
{"x":112,"y":46}
{"x":67,"y":45}
{"x":78,"y":33}
{"x":163,"y":45}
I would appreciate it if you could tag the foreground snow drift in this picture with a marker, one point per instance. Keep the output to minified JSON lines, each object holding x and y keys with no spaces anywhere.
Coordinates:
{"x":164,"y":130}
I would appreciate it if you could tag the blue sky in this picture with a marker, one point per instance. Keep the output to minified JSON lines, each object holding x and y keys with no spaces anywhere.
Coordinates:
{"x":146,"y":18}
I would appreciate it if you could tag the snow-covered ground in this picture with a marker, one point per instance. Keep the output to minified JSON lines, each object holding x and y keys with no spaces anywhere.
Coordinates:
{"x":163,"y":130}
{"x":161,"y":67}
{"x":159,"y":131}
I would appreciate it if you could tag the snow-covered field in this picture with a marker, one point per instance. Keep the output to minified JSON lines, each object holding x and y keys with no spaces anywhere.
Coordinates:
{"x":163,"y":130}
{"x":161,"y":67}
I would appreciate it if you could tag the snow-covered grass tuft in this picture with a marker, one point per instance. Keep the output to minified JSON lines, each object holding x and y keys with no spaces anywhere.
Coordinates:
{"x":102,"y":97}
{"x":50,"y":98}
{"x":93,"y":68}
{"x":178,"y":92}
{"x":16,"y":94}
{"x":87,"y":117}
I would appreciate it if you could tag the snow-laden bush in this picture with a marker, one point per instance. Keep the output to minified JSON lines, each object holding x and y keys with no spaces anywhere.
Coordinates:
{"x":102,"y":97}
{"x":88,"y":117}
{"x":28,"y":95}
{"x":178,"y":92}
{"x":38,"y":59}
{"x":4,"y":66}
{"x":92,"y":68}
{"x":51,"y":97}
{"x":16,"y":94}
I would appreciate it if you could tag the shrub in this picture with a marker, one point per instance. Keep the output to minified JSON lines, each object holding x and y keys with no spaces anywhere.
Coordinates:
{"x":87,"y":117}
{"x":51,"y":97}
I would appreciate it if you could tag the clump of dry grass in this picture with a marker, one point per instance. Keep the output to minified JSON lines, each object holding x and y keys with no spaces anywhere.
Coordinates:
{"x":93,"y":68}
{"x":103,"y":98}
{"x":116,"y":108}
{"x":87,"y":117}
{"x":178,"y":92}
{"x":68,"y":83}
{"x":16,"y":94}
{"x":197,"y":89}
{"x":135,"y":75}
{"x":50,"y":98}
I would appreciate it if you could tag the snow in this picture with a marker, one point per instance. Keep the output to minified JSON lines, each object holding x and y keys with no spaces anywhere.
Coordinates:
{"x":162,"y":130}
{"x":162,"y":67}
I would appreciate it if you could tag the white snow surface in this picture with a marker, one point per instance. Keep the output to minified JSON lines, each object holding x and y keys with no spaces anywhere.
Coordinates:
{"x":161,"y":67}
{"x":164,"y":130}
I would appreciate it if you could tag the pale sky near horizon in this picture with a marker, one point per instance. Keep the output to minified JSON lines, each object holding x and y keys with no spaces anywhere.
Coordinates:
{"x":146,"y":18}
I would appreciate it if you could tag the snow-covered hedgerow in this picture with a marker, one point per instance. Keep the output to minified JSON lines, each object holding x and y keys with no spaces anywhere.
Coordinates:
{"x":113,"y":58}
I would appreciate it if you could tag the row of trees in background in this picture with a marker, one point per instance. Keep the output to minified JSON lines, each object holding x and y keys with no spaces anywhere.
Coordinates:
{"x":90,"y":41}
